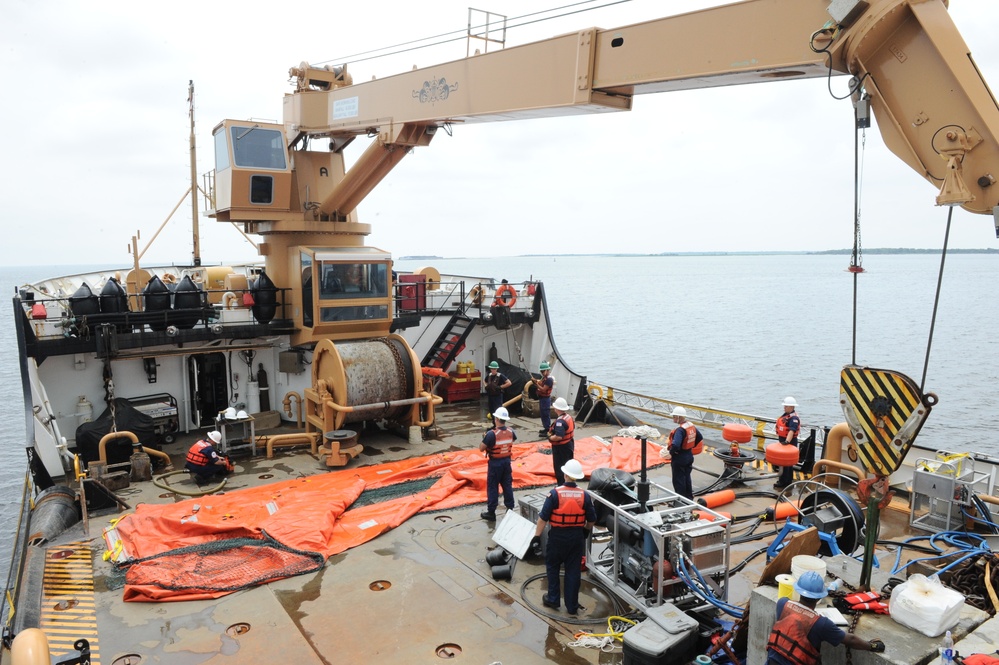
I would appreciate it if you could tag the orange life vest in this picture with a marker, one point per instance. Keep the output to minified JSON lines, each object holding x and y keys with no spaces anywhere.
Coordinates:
{"x":782,"y":427}
{"x":570,"y":510}
{"x":196,"y":455}
{"x":570,"y":427}
{"x":789,"y":637}
{"x":544,"y":388}
{"x":690,"y":442}
{"x":504,"y":443}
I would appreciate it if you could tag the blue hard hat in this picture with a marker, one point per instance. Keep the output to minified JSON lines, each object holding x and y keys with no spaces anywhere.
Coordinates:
{"x":811,"y":585}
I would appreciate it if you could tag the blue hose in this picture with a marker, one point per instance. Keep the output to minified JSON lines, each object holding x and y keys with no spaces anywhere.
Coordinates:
{"x":966,"y":546}
{"x":703,"y":591}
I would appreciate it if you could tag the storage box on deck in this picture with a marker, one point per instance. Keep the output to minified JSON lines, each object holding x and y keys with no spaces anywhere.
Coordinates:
{"x":649,"y":643}
{"x":458,"y":387}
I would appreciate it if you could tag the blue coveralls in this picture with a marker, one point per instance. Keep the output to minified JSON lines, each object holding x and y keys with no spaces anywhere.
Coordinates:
{"x":566,"y":546}
{"x":499,"y":473}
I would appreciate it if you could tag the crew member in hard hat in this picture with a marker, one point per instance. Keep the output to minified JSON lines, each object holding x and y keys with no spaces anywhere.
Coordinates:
{"x":544,"y":387}
{"x":560,"y":435}
{"x":495,"y":384}
{"x":204,"y":462}
{"x":498,"y":446}
{"x":798,"y":634}
{"x":570,"y":512}
{"x":788,"y":426}
{"x":684,"y":442}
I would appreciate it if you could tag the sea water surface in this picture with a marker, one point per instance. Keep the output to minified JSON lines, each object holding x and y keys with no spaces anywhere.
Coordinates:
{"x":739,"y":332}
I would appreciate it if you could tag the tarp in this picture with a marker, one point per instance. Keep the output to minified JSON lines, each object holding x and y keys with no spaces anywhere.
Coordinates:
{"x":310,"y":514}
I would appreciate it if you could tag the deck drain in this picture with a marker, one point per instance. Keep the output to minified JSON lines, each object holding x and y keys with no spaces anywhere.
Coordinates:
{"x":380,"y":585}
{"x":127,"y":659}
{"x":237,"y":629}
{"x":64,"y":605}
{"x":443,"y":518}
{"x":61,"y":554}
{"x":448,"y":651}
{"x":265,"y":476}
{"x":166,"y":495}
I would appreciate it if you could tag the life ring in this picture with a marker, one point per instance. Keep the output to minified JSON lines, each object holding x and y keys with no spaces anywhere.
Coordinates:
{"x":477,"y":294}
{"x":169,"y":278}
{"x":502,"y":292}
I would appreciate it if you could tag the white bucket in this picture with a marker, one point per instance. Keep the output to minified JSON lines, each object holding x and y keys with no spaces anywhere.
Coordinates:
{"x":802,"y":563}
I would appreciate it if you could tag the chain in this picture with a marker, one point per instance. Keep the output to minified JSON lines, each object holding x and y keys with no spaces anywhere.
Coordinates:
{"x":109,"y":393}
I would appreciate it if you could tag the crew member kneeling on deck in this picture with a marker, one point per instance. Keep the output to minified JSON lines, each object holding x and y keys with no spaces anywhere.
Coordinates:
{"x":204,"y":462}
{"x":569,"y":510}
{"x":798,"y":634}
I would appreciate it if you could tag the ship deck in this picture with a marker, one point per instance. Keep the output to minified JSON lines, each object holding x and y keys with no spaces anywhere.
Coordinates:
{"x":421,"y":592}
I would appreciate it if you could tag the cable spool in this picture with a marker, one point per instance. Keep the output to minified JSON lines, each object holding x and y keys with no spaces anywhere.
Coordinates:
{"x":366,"y":372}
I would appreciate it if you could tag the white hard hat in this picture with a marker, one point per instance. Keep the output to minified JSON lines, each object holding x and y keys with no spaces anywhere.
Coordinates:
{"x":790,"y":401}
{"x":573,"y":469}
{"x":242,"y":415}
{"x":215,"y":436}
{"x":230,"y":413}
{"x":502,"y":413}
{"x":560,"y":404}
{"x":679,"y":411}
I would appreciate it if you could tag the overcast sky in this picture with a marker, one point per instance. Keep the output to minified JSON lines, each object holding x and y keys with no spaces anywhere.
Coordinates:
{"x":96,"y":141}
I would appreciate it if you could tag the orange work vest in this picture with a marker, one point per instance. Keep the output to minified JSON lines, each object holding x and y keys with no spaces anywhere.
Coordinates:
{"x":690,"y":442}
{"x":196,"y":455}
{"x":504,"y":443}
{"x":570,"y":427}
{"x":570,"y":510}
{"x":789,"y":637}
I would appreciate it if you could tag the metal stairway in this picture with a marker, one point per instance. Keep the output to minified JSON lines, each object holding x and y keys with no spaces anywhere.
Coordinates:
{"x":450,"y":342}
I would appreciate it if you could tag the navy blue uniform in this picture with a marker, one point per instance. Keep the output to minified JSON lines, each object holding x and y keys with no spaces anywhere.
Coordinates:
{"x":566,"y":545}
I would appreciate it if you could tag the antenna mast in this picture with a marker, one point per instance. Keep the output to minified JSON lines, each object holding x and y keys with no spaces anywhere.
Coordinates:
{"x":194,"y":178}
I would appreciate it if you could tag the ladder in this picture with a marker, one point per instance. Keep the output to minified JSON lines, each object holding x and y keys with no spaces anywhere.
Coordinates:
{"x":450,"y":342}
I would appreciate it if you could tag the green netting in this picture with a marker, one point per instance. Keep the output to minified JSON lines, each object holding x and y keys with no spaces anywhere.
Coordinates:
{"x":222,"y":565}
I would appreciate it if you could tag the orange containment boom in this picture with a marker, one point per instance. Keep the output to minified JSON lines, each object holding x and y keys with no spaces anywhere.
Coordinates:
{"x":716,"y":498}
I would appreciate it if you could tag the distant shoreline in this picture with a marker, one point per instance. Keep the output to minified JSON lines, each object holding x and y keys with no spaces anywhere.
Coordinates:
{"x":838,"y":252}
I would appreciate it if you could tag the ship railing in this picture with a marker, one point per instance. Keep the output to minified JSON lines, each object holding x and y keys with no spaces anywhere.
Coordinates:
{"x":763,"y":428}
{"x":53,"y":318}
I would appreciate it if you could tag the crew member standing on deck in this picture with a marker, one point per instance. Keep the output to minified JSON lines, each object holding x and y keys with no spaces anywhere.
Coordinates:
{"x":544,"y":386}
{"x":798,"y":634}
{"x":204,"y":462}
{"x":561,"y":438}
{"x":684,"y":443}
{"x":788,"y":426}
{"x":569,"y":510}
{"x":496,"y":383}
{"x":498,"y":446}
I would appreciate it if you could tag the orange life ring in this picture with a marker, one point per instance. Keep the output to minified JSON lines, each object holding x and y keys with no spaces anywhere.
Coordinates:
{"x":782,"y":454}
{"x":501,"y":293}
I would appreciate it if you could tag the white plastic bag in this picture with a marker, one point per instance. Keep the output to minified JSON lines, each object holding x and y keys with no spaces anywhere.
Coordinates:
{"x":924,"y":604}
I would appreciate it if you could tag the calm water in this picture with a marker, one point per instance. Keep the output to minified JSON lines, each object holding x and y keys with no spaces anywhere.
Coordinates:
{"x":739,"y":332}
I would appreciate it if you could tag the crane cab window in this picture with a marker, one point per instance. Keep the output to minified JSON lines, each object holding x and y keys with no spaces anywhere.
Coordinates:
{"x":353,"y":280}
{"x":346,"y":291}
{"x":257,"y":148}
